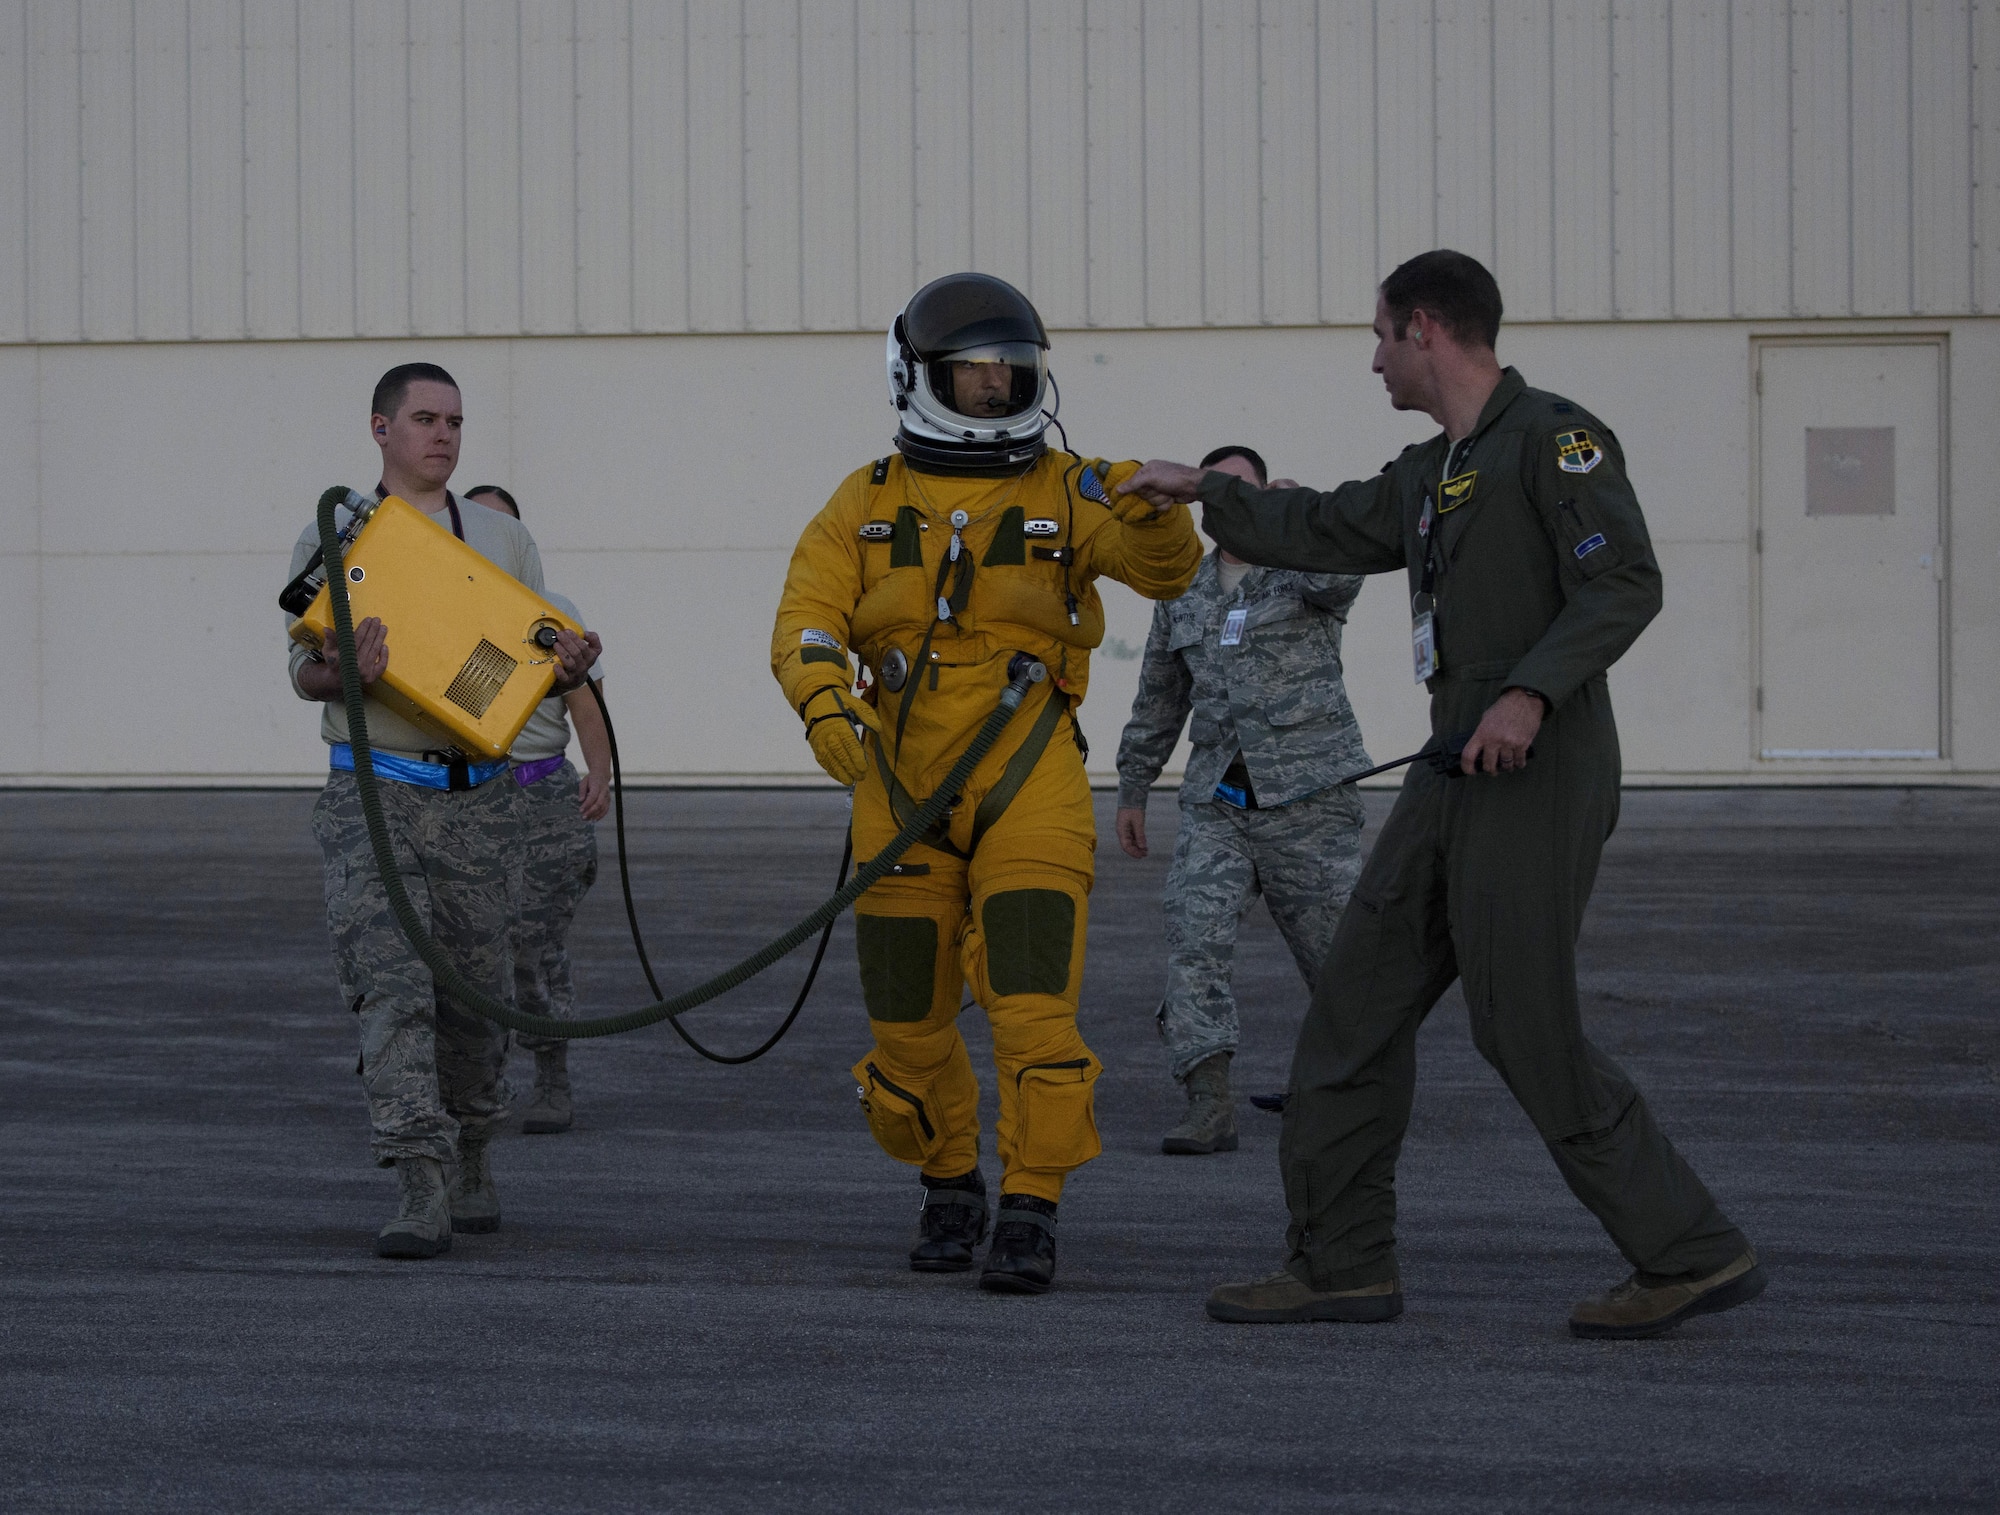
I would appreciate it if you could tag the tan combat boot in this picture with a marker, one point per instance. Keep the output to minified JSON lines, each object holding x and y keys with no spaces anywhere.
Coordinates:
{"x":1210,"y":1123}
{"x":550,"y":1111}
{"x":1647,"y":1304}
{"x":475,"y":1206}
{"x":1285,"y":1299}
{"x":422,"y":1227}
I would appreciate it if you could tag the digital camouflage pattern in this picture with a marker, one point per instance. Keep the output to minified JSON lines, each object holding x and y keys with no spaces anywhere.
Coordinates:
{"x":1303,"y":858}
{"x":430,"y":1068}
{"x":1276,"y":695}
{"x":558,"y":867}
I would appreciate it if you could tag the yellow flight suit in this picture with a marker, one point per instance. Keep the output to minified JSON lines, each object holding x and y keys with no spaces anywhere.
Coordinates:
{"x":998,"y":900}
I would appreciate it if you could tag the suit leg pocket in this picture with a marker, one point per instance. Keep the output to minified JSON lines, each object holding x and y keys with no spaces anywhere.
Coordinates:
{"x":1058,"y":1115}
{"x":900,"y":1112}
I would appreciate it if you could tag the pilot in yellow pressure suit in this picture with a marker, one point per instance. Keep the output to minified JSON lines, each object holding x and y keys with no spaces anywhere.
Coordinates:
{"x":937,"y":567}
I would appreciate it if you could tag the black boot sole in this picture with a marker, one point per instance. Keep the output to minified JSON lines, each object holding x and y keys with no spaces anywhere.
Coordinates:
{"x":1738,"y":1291}
{"x":940,"y":1265}
{"x":406,"y":1248}
{"x":1181,"y":1146}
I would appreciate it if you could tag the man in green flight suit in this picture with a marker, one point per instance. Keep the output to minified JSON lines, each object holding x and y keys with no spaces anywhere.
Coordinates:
{"x":1530,"y":573}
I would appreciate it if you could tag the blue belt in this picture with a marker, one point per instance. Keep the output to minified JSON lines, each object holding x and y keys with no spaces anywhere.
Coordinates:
{"x":456,"y":776}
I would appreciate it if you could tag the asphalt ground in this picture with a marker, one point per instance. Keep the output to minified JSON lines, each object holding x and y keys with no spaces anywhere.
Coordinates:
{"x":699,"y":1298}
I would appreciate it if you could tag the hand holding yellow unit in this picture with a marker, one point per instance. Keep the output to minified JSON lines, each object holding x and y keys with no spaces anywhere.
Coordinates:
{"x":472,"y":647}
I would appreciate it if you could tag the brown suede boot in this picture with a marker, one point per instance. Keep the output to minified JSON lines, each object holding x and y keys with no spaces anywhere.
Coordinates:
{"x":1284,"y":1299}
{"x":1648,"y":1305}
{"x":1210,"y":1123}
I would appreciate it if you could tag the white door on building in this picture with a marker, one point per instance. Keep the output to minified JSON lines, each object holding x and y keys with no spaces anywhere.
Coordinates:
{"x":1850,"y":572}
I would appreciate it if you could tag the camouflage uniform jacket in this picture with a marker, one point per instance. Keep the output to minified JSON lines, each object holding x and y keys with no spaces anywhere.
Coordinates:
{"x":1276,"y":696}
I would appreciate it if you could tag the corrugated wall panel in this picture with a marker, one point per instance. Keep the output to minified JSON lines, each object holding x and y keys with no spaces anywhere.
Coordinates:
{"x":1760,"y":83}
{"x":1883,"y":177}
{"x":1465,"y":135}
{"x":215,"y":166}
{"x":772,"y":246}
{"x":548,"y":108}
{"x":1941,"y":155}
{"x":1642,"y":161}
{"x":1172,"y":66}
{"x":1524,"y":181}
{"x":660,"y":167}
{"x":273,"y":168}
{"x":828,"y":179}
{"x":1581,"y":64}
{"x":55,"y":188}
{"x":1699,"y":61}
{"x":1001,"y":189}
{"x":604,"y":167}
{"x":1346,"y":185}
{"x":1822,"y":161}
{"x":1405,"y":134}
{"x":1289,"y":217}
{"x":886,"y":160}
{"x":271,"y":185}
{"x":1231,"y":129}
{"x":382,"y":150}
{"x":1058,"y":243}
{"x":15,"y":154}
{"x":1986,"y":157}
{"x":110,"y":307}
{"x":942,"y":46}
{"x":327,"y":231}
{"x":437,"y":170}
{"x":1115,"y":173}
{"x":492,"y":67}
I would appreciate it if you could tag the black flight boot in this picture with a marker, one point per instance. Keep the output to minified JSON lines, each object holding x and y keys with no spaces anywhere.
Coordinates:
{"x":1022,"y":1259}
{"x":951,"y":1223}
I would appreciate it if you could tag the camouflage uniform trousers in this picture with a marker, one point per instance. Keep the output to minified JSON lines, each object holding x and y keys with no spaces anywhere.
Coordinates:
{"x":558,"y":866}
{"x":431,"y":1068}
{"x":1303,"y":858}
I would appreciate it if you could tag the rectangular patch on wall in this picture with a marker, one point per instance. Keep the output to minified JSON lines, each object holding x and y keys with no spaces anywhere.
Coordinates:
{"x":1850,"y":470}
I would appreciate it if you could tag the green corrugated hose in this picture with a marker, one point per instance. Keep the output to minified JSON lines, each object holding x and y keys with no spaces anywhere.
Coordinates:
{"x":445,"y":971}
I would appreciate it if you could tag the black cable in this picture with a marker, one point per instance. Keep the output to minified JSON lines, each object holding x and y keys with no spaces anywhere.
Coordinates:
{"x":632,"y":910}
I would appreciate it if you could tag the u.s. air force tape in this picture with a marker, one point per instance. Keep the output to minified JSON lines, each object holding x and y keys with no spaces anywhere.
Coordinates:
{"x":811,"y":638}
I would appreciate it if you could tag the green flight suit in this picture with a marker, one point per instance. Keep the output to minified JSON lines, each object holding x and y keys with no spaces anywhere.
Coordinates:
{"x":1545,"y":575}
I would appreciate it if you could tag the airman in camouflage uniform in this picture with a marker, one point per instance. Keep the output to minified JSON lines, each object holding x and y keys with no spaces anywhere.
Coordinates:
{"x":1257,"y":667}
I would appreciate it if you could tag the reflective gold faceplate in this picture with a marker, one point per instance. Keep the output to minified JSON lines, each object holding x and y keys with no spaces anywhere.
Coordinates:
{"x":463,"y":662}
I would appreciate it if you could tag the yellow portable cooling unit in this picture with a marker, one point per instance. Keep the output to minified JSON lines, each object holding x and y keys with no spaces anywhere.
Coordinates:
{"x":470,"y":646}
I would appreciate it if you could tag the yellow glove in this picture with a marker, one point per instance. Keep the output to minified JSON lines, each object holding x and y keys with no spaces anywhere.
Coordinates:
{"x":830,"y":728}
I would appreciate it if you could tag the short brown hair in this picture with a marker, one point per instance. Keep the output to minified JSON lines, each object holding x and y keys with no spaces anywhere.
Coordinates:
{"x":1452,"y":288}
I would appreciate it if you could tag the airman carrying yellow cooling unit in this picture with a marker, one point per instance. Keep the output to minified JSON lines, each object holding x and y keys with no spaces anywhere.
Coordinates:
{"x":470,"y":647}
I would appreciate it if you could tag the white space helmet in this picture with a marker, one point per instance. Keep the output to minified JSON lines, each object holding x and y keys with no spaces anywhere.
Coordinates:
{"x":968,"y":371}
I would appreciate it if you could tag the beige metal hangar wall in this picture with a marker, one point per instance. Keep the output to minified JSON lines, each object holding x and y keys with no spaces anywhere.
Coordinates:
{"x":657,"y":241}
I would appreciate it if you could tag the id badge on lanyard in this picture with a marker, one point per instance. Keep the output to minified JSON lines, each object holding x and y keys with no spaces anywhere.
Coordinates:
{"x":1423,"y":604}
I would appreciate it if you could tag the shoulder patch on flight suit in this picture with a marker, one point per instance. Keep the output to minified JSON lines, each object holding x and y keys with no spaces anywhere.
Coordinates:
{"x":907,"y":548}
{"x":1577,"y":452}
{"x":1009,"y":543}
{"x":1588,"y":545}
{"x":1453,"y":493}
{"x":1090,"y":485}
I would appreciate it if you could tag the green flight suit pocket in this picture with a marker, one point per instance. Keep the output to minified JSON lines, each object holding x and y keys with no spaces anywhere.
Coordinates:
{"x":1056,"y":1114}
{"x":1581,"y":537}
{"x":898,"y":955}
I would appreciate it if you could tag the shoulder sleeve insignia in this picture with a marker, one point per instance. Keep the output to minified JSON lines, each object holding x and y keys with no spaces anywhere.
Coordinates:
{"x":1453,"y":493}
{"x":877,"y":531}
{"x":1577,"y":452}
{"x":1090,"y":486}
